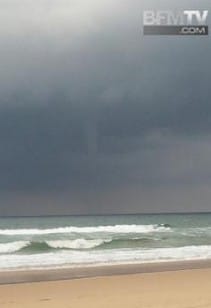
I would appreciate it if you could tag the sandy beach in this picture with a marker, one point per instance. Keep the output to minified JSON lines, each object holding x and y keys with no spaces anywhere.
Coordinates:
{"x":189,"y":288}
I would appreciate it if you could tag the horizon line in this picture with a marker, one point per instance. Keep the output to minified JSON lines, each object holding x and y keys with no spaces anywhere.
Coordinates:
{"x":106,"y":214}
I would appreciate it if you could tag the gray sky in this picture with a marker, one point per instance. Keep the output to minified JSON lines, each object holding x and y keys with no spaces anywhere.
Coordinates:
{"x":97,"y":118}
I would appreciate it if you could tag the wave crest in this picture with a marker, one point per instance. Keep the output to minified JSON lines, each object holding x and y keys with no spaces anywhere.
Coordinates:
{"x":77,"y":244}
{"x":97,"y":229}
{"x":13,"y":246}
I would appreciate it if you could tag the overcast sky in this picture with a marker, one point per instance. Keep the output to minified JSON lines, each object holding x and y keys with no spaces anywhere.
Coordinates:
{"x":96,"y":118}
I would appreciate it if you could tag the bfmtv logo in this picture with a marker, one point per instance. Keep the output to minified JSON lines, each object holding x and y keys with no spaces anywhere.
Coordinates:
{"x":187,"y":22}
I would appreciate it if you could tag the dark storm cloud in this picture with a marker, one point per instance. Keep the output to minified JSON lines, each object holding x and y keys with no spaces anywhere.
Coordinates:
{"x":91,"y":109}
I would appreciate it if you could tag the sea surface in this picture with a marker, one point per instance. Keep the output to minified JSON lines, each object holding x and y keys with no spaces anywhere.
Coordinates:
{"x":74,"y":241}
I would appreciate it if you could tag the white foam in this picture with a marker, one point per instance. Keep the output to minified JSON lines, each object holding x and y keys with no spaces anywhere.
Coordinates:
{"x":98,"y":257}
{"x":13,"y":246}
{"x":106,"y":229}
{"x":77,"y":244}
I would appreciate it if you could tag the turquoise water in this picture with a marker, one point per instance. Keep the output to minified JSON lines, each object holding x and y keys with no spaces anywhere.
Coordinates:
{"x":86,"y":240}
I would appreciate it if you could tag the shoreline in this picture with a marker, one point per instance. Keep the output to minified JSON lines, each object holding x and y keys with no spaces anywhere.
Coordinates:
{"x":41,"y":275}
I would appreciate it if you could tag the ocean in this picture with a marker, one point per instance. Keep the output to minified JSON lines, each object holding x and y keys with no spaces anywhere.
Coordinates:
{"x":75,"y":241}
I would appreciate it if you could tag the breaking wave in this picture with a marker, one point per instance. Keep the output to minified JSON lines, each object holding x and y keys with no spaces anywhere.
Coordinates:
{"x":77,"y":244}
{"x":97,"y":229}
{"x":74,"y":258}
{"x":13,"y":246}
